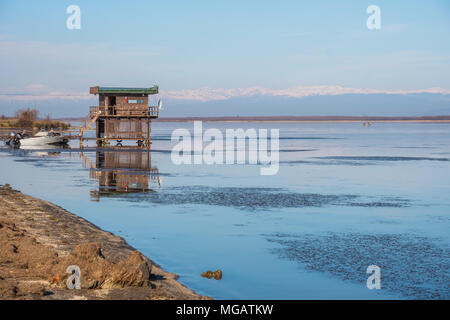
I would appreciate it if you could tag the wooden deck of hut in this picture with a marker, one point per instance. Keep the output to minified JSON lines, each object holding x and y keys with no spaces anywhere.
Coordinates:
{"x":121,"y":114}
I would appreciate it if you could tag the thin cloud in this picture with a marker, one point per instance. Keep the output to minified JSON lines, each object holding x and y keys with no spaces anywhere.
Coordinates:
{"x":395,"y":27}
{"x":40,"y":92}
{"x":294,"y":34}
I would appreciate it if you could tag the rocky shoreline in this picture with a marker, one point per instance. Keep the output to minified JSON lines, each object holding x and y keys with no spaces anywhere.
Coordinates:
{"x":40,"y":240}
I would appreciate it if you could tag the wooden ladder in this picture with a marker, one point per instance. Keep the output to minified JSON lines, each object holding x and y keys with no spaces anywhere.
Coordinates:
{"x":86,"y":127}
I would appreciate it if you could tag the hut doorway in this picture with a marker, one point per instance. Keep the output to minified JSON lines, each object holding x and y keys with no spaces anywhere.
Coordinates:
{"x":112,"y":103}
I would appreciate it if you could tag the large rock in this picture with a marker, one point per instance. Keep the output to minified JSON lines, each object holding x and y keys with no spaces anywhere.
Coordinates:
{"x":98,"y":272}
{"x":133,"y":272}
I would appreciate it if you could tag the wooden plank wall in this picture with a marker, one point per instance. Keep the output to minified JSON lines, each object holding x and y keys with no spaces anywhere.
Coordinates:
{"x":127,"y":128}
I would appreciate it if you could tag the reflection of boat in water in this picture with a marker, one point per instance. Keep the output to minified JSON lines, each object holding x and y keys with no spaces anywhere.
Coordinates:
{"x":121,"y":172}
{"x":46,"y":147}
{"x":40,"y":139}
{"x":49,"y":151}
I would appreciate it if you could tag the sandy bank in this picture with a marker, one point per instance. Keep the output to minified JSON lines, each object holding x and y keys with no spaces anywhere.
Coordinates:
{"x":39,"y":240}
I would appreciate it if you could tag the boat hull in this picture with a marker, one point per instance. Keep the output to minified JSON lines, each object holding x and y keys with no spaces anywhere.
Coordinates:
{"x":42,"y":141}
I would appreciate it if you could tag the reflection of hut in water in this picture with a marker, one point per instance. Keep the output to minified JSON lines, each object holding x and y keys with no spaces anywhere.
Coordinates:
{"x":122,"y":172}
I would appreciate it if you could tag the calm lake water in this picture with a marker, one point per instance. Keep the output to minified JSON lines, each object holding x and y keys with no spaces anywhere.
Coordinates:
{"x":345,"y":197}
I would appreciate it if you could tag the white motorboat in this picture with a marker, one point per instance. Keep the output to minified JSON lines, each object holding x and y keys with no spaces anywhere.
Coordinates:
{"x":44,"y":138}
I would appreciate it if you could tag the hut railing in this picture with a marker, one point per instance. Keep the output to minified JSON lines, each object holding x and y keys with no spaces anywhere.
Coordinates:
{"x":151,"y":111}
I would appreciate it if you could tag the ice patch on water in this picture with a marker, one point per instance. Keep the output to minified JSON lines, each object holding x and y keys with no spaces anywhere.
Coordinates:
{"x":257,"y":198}
{"x":412,"y":266}
{"x":381,"y":158}
{"x":328,"y":163}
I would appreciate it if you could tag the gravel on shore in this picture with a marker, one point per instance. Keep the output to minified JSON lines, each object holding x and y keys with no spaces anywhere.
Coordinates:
{"x":39,"y":240}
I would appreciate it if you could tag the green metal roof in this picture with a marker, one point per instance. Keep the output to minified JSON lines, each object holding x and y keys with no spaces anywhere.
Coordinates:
{"x":112,"y":90}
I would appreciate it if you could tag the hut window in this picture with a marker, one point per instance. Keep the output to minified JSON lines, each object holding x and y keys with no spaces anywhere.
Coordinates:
{"x":135,"y":100}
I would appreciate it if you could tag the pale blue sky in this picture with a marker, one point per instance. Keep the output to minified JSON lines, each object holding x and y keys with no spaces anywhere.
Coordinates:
{"x":221,"y":45}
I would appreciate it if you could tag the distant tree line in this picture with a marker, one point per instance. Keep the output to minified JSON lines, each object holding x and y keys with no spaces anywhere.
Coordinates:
{"x":28,"y":118}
